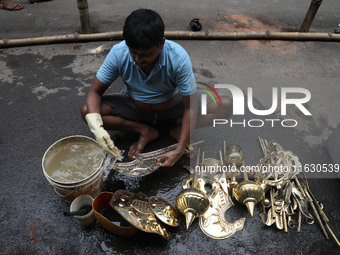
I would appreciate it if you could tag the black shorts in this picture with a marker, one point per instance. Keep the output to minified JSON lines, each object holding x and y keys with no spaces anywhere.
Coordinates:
{"x":124,"y":107}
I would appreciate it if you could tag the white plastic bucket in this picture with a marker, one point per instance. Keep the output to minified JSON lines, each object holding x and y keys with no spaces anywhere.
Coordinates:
{"x":69,"y":190}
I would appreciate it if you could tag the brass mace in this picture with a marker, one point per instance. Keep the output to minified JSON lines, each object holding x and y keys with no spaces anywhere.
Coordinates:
{"x":192,"y":202}
{"x":247,"y":192}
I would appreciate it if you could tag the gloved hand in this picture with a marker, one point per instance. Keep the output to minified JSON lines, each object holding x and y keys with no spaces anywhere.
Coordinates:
{"x":95,"y":123}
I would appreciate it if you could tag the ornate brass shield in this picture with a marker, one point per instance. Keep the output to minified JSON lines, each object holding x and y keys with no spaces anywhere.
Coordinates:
{"x":135,"y":208}
{"x":164,"y":211}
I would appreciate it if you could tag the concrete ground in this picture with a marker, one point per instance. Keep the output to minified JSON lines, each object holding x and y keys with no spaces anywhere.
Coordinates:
{"x":42,"y":89}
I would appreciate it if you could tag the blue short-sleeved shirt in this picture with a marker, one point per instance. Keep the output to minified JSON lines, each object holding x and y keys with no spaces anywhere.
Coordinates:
{"x":171,"y":74}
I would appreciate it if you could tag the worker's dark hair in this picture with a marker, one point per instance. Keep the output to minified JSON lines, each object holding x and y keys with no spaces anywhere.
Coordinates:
{"x":143,"y":29}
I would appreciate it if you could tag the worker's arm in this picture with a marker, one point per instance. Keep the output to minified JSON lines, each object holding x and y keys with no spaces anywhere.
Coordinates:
{"x":94,"y":118}
{"x":188,"y":124}
{"x":94,"y":96}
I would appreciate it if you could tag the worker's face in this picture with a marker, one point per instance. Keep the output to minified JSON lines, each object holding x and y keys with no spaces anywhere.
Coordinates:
{"x":146,"y":58}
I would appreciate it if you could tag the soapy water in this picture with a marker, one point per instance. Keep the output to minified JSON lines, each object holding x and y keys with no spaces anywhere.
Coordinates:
{"x":108,"y":164}
{"x":75,"y":162}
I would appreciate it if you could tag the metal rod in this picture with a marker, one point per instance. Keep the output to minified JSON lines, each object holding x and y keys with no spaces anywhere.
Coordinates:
{"x":245,"y":174}
{"x":316,"y":203}
{"x":224,"y":148}
{"x":262,"y":145}
{"x":299,"y":221}
{"x":221,"y":158}
{"x":317,"y":216}
{"x":333,"y":235}
{"x":198,"y":157}
{"x":319,"y":209}
{"x":285,"y":225}
{"x":195,"y":177}
{"x":196,"y":143}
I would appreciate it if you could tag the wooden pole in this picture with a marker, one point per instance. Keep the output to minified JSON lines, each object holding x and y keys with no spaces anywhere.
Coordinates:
{"x":175,"y":35}
{"x":83,"y":8}
{"x":310,"y":15}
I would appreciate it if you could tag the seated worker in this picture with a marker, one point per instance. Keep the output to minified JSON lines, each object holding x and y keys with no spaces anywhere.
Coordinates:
{"x":159,"y":84}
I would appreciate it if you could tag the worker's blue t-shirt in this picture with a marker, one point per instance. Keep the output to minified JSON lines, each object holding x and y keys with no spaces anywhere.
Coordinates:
{"x":171,"y":74}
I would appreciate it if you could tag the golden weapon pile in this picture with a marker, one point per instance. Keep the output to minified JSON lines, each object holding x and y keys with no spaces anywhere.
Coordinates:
{"x":278,"y":186}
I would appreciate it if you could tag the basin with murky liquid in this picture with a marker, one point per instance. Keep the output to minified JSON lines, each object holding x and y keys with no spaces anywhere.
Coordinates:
{"x":73,"y":165}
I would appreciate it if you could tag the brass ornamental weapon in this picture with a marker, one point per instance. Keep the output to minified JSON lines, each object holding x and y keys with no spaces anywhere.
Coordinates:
{"x":135,"y":208}
{"x":145,"y":163}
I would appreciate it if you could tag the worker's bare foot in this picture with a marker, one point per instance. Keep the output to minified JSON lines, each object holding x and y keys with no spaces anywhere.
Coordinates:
{"x":146,"y":136}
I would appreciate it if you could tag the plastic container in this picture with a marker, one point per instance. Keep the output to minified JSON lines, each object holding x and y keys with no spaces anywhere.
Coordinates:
{"x":69,"y":190}
{"x":100,"y":203}
{"x":86,"y":220}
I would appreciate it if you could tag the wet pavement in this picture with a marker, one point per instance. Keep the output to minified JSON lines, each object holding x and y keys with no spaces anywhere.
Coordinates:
{"x":43,"y":87}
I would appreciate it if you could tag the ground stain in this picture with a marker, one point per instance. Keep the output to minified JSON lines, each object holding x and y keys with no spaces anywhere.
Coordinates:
{"x":42,"y":92}
{"x":245,"y":23}
{"x":204,"y":72}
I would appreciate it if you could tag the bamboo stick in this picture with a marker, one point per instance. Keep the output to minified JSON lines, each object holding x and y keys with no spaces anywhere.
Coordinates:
{"x":84,"y":15}
{"x":310,"y":15}
{"x":175,"y":35}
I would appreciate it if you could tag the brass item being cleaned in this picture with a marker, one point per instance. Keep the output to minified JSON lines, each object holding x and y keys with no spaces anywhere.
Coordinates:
{"x":145,"y":163}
